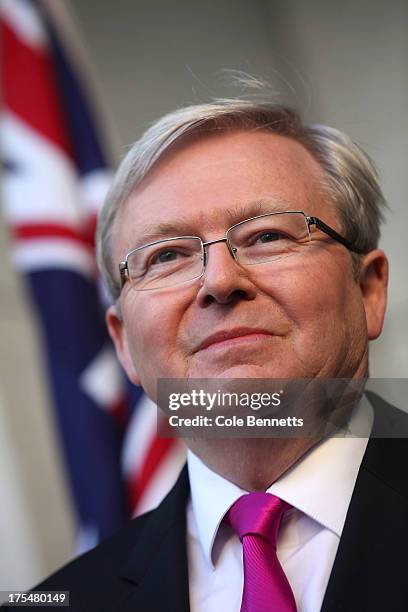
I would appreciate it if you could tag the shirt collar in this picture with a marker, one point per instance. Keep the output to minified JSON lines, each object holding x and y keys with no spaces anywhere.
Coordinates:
{"x":320,"y":484}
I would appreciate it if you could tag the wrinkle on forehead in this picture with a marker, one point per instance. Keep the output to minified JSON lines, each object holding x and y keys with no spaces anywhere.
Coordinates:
{"x":272,"y":160}
{"x":202,"y":221}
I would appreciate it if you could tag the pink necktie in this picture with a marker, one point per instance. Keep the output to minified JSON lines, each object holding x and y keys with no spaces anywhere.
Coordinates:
{"x":256,"y":518}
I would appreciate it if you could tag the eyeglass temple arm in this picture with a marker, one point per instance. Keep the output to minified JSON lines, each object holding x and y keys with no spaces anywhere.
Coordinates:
{"x":124,"y":274}
{"x":321,"y":225}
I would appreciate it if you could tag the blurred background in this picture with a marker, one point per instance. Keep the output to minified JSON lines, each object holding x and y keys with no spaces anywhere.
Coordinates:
{"x":81,"y":80}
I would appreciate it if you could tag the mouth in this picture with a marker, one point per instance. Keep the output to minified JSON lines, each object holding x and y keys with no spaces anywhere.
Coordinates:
{"x":230,"y":338}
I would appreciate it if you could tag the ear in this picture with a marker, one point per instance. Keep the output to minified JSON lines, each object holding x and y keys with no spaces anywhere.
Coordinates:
{"x":118,"y":334}
{"x":373,"y":284}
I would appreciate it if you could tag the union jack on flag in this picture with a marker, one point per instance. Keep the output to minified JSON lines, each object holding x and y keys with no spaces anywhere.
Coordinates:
{"x":55,"y":178}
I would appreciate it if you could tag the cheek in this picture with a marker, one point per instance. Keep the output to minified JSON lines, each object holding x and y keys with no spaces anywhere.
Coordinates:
{"x":323,"y":304}
{"x":148,"y":336}
{"x":306,"y":294}
{"x":152,"y":323}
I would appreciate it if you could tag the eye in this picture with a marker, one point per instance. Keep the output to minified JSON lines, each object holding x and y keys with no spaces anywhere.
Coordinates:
{"x":269,"y":237}
{"x":165,"y":256}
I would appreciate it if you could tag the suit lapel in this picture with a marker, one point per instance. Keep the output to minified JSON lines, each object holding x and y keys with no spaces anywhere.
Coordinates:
{"x":156,"y":571}
{"x":370,"y":569}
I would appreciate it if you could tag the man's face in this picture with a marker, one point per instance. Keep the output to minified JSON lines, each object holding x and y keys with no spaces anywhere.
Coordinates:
{"x":303,"y":316}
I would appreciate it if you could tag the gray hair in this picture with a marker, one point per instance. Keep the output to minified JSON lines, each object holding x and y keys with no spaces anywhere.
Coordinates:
{"x":351,"y":178}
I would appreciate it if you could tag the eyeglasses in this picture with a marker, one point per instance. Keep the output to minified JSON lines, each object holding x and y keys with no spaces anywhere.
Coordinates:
{"x":257,"y":240}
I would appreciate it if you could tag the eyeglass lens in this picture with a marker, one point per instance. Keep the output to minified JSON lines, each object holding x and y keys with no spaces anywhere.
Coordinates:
{"x":259,"y":240}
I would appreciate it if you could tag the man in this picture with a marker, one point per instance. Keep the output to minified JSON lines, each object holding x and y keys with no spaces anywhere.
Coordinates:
{"x":295,"y":292}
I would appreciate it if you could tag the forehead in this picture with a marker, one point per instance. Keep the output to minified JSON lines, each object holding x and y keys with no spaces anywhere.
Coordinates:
{"x":217,"y":180}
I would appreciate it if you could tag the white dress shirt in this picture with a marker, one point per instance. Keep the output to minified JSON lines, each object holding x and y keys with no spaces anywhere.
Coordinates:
{"x":319,"y":487}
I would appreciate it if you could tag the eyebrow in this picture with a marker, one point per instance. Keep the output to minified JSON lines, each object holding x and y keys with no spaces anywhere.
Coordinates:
{"x":185,"y":226}
{"x":246,"y":210}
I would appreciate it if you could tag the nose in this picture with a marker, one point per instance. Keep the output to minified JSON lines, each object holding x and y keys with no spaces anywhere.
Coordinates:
{"x":224,"y":280}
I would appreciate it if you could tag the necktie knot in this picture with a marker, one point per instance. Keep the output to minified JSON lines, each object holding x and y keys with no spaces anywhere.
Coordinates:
{"x":257,"y":514}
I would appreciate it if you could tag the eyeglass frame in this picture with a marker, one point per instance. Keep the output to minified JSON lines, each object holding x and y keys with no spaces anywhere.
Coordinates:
{"x":310,"y":220}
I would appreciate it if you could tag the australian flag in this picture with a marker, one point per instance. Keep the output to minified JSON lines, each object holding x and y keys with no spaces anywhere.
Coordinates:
{"x":55,"y":177}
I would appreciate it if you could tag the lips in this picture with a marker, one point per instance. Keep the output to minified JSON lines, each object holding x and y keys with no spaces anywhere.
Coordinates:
{"x":238,"y":333}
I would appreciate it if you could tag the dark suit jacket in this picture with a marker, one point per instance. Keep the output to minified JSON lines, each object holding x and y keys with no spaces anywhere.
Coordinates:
{"x":143,"y":568}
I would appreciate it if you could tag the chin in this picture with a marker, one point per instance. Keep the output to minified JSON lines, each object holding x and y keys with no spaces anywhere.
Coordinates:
{"x":270,"y":365}
{"x":234,"y":371}
{"x":244,"y":371}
